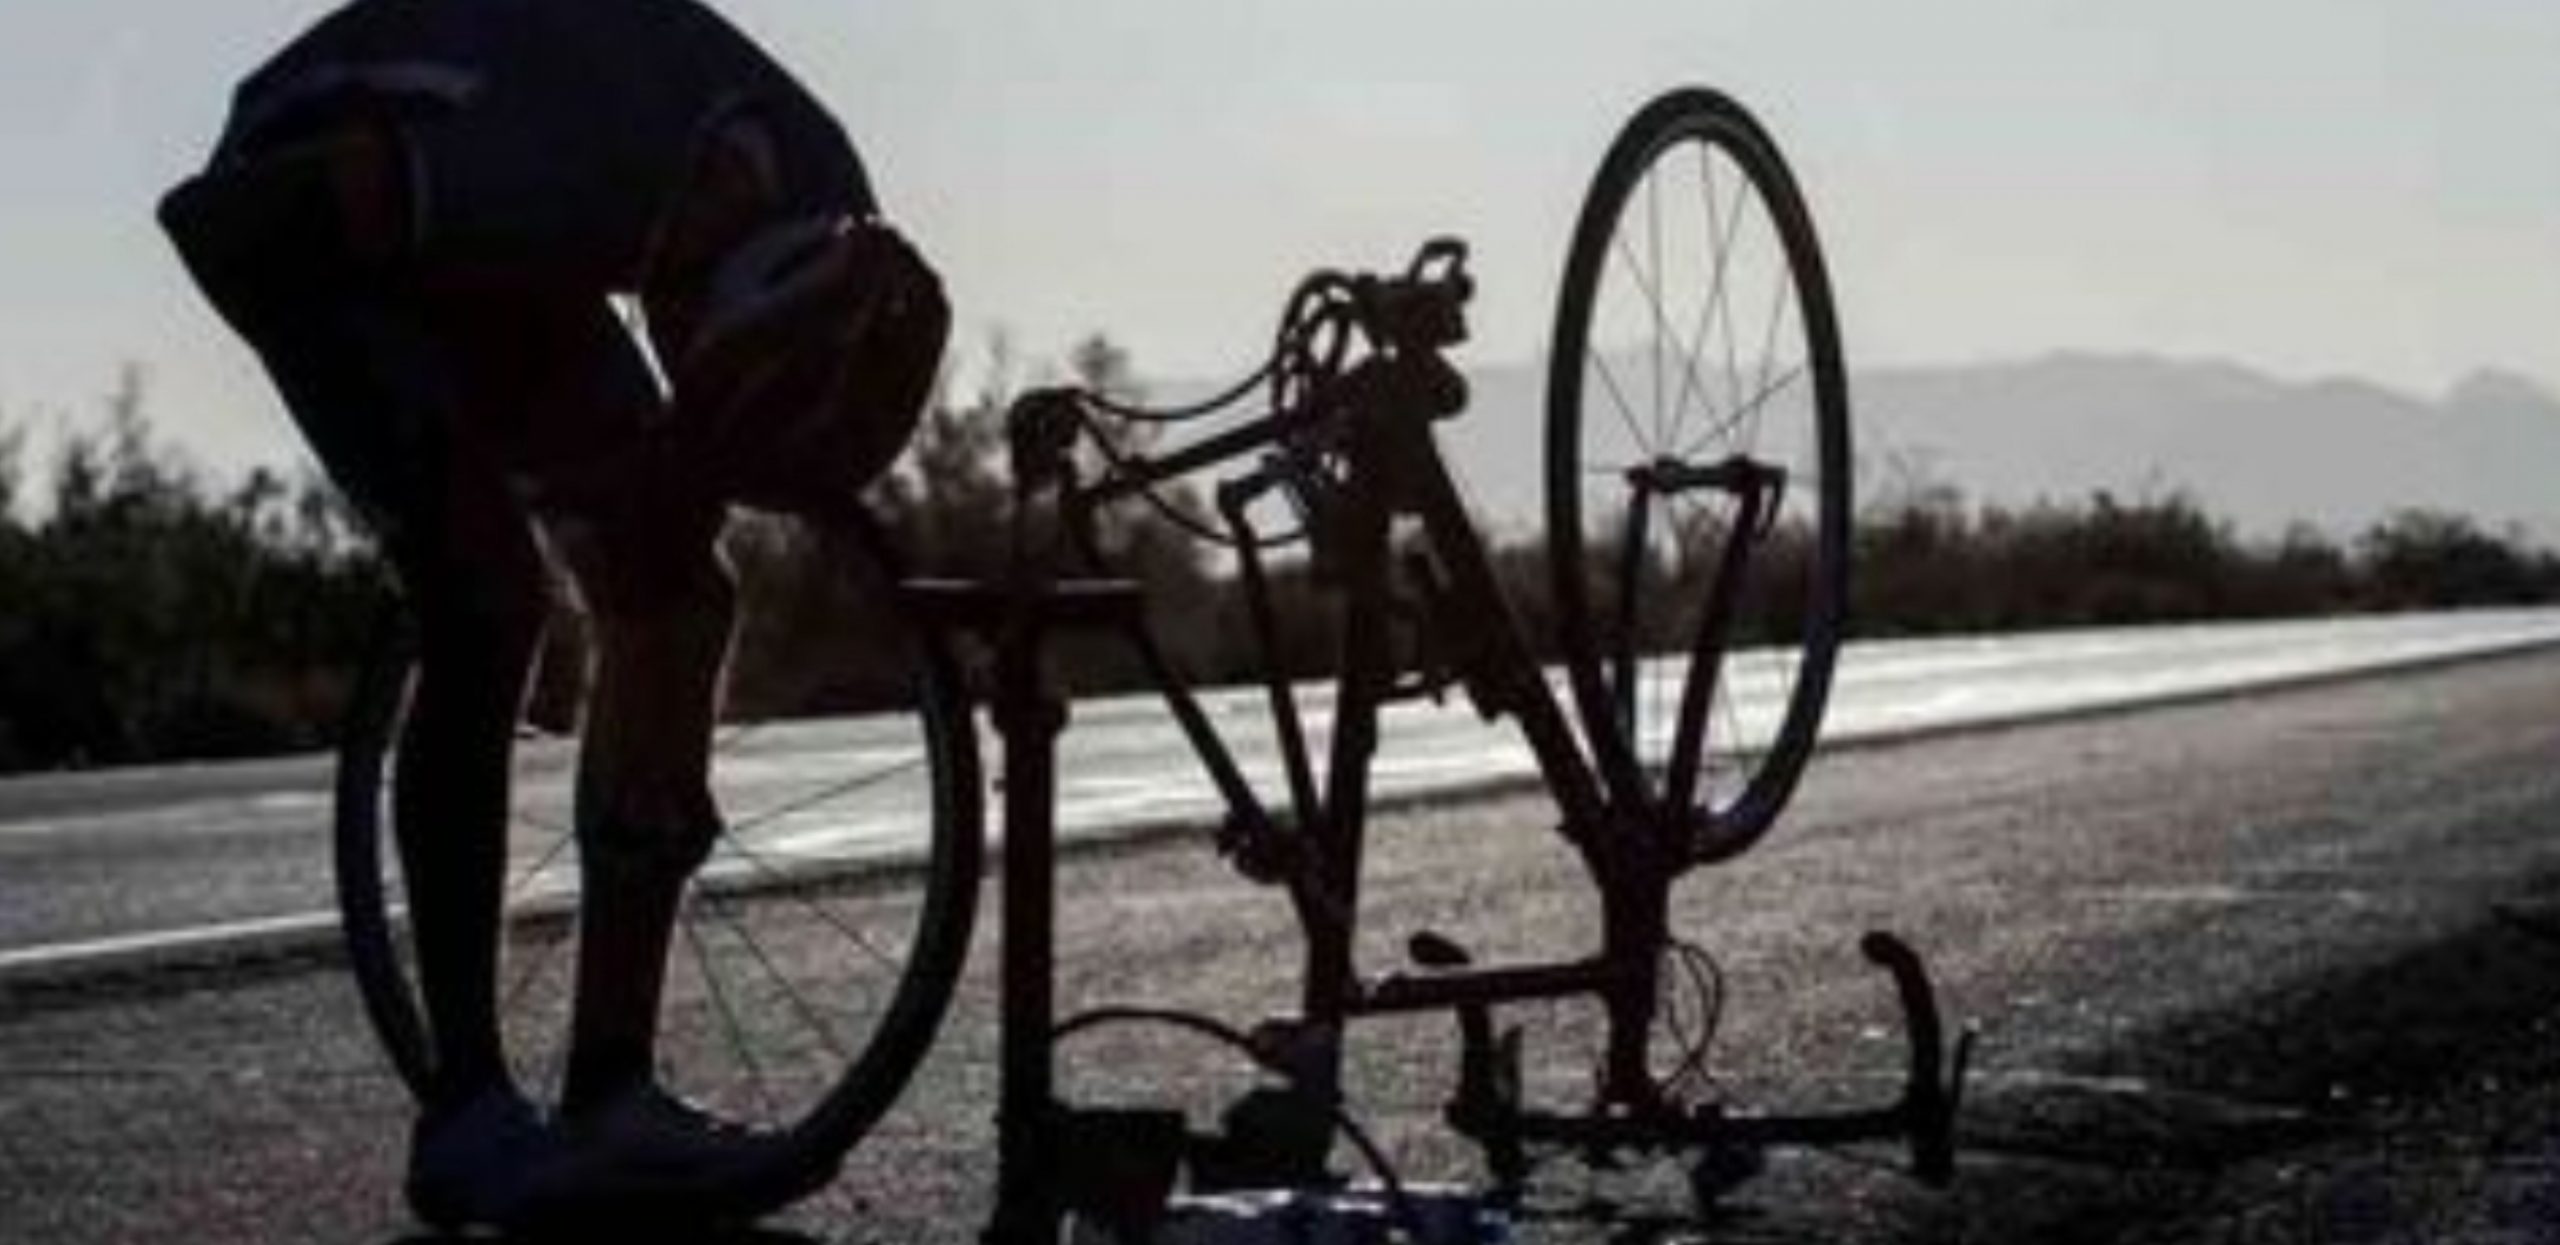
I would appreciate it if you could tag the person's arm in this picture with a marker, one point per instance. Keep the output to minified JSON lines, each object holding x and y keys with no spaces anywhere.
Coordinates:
{"x":733,"y":189}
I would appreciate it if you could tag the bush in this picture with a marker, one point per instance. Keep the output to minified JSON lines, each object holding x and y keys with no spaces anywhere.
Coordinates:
{"x":148,"y":617}
{"x":151,"y":616}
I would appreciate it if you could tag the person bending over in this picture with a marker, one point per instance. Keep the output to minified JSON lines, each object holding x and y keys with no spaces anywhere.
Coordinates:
{"x":419,"y":215}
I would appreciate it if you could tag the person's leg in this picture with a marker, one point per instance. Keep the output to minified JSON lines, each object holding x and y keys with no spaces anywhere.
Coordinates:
{"x":646,"y":818}
{"x":663,"y":605}
{"x":478,"y":593}
{"x":641,"y":542}
{"x":374,"y":392}
{"x":464,"y":551}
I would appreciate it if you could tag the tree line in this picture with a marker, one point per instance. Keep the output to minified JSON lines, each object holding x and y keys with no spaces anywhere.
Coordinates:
{"x":150,"y":613}
{"x":1930,"y":562}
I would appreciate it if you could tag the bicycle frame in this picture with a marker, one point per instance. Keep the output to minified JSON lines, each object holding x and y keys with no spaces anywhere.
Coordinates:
{"x":1352,"y":449}
{"x":1378,"y":417}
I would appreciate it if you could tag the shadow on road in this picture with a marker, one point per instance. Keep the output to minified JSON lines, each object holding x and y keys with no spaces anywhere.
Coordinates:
{"x":2410,"y":1027}
{"x":2444,"y":1050}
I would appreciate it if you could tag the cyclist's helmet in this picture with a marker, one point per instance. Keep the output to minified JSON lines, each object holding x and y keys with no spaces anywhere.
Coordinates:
{"x":816,"y":347}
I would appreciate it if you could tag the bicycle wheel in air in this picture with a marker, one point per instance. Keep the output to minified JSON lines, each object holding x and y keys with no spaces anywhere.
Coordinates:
{"x":1698,"y":471}
{"x":818,"y":947}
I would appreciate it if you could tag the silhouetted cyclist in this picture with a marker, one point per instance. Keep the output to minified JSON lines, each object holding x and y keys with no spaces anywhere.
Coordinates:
{"x":416,"y":215}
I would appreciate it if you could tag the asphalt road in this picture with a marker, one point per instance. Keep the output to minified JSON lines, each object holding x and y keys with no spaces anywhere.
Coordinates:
{"x":2245,"y":969}
{"x":189,"y":860}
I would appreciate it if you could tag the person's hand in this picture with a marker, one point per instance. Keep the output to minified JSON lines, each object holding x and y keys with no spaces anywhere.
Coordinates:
{"x":897,"y":356}
{"x":882,"y":372}
{"x":806,"y":403}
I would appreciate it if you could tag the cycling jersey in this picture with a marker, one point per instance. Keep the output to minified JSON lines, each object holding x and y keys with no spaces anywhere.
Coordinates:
{"x":547,"y":135}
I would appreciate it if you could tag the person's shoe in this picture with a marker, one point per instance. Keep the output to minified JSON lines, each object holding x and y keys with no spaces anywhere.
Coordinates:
{"x":480,"y":1162}
{"x":646,"y":1155}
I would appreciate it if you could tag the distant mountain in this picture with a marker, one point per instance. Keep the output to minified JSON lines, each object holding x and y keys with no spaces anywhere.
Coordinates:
{"x":2257,"y":450}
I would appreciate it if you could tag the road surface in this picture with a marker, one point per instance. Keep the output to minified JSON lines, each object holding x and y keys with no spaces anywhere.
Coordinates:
{"x":2261,"y":968}
{"x":115,"y":866}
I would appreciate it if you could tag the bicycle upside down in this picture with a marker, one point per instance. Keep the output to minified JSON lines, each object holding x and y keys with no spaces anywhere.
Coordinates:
{"x":1344,"y":463}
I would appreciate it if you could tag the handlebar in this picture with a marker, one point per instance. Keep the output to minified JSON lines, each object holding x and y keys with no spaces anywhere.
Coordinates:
{"x":1409,"y":316}
{"x":1425,"y":309}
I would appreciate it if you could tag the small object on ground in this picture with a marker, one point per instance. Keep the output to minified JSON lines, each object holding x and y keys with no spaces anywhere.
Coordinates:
{"x":1360,"y":1215}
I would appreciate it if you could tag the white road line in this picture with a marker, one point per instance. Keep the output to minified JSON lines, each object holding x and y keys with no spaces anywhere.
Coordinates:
{"x":1851,"y":722}
{"x":198,"y":945}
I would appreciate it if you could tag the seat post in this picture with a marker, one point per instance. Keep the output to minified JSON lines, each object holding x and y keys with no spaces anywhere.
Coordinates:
{"x":1030,"y":713}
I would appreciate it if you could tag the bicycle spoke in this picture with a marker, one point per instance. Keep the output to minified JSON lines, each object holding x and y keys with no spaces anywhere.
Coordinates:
{"x":555,"y":1057}
{"x":728,"y":1015}
{"x":1661,"y":317}
{"x":1706,"y":310}
{"x":541,"y":956}
{"x":560,"y":841}
{"x":1749,"y":409}
{"x":792,"y":888}
{"x":1769,"y":339}
{"x":1653,"y":240}
{"x":800,"y":1004}
{"x":768,"y":816}
{"x":1721,"y":242}
{"x":1618,"y":400}
{"x":547,"y":1068}
{"x":539,"y":959}
{"x":1720,"y":232}
{"x":1721,"y":293}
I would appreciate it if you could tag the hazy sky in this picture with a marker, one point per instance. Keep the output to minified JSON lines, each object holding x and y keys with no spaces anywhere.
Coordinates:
{"x":2368,"y":187}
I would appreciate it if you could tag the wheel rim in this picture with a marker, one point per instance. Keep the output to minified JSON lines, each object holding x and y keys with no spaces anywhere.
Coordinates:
{"x":817,"y":946}
{"x":1696,"y":361}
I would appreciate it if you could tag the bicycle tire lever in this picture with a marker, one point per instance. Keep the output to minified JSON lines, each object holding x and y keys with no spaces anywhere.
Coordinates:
{"x":1935,"y":1086}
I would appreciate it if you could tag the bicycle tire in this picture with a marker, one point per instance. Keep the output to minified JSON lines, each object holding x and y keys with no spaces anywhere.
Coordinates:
{"x":771,"y":886}
{"x":1790,"y":609}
